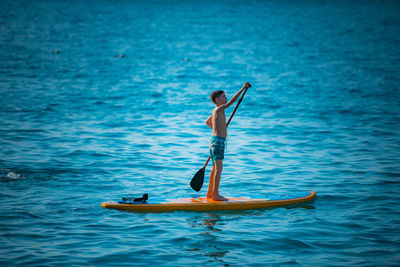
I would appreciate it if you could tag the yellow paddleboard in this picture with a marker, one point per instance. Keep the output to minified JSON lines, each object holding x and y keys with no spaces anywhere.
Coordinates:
{"x":206,"y":204}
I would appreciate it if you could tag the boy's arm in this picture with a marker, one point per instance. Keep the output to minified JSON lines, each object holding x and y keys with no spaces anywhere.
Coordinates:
{"x":209,"y":122}
{"x":236,"y":96}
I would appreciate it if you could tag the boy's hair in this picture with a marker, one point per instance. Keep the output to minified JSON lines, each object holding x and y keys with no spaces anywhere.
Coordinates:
{"x":216,"y":94}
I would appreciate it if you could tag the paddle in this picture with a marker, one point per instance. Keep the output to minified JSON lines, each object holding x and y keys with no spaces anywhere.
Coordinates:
{"x":198,"y":178}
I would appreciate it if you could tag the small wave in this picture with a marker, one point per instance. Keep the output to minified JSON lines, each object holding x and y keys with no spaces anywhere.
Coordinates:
{"x":14,"y":176}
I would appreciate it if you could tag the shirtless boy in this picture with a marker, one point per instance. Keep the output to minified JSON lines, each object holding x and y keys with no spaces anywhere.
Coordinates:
{"x":217,"y":122}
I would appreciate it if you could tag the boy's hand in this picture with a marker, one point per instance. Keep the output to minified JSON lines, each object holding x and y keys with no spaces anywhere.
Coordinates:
{"x":247,"y":85}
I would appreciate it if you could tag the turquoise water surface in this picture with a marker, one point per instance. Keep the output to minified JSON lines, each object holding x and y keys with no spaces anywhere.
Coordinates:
{"x":105,"y":99}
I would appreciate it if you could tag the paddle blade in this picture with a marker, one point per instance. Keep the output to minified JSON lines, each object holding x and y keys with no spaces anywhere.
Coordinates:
{"x":198,"y":180}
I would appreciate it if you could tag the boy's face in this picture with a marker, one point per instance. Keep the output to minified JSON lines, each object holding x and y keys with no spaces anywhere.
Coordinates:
{"x":221,"y":99}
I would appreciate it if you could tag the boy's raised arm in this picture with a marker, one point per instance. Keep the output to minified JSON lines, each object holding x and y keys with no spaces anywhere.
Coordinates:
{"x":209,"y":122}
{"x":236,"y":96}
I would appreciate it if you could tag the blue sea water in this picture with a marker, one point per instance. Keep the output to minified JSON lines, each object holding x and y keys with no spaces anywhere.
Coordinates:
{"x":104,"y":99}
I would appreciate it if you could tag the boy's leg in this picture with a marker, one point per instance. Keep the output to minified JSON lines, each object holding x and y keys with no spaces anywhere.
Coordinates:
{"x":217,"y":179}
{"x":211,"y":183}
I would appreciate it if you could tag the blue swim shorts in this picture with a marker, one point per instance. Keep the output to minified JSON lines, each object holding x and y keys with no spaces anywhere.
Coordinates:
{"x":217,"y":148}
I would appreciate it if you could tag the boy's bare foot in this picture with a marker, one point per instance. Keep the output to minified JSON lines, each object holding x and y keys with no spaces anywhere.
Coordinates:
{"x":219,"y":198}
{"x":209,"y":195}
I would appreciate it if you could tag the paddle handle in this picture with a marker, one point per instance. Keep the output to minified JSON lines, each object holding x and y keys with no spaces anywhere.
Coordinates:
{"x":233,"y":113}
{"x":205,"y":165}
{"x":230,"y":118}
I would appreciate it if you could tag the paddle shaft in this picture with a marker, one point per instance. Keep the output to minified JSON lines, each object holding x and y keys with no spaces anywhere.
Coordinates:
{"x":230,"y":118}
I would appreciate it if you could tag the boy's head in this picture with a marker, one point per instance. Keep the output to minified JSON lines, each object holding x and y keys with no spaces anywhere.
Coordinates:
{"x":218,"y":97}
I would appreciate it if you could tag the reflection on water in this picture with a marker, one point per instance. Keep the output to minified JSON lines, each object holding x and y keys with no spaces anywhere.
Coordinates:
{"x":211,"y":222}
{"x":216,"y":255}
{"x":217,"y":252}
{"x":208,"y":244}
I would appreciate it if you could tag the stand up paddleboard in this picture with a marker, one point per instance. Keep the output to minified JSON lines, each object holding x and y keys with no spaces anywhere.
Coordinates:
{"x":204,"y":204}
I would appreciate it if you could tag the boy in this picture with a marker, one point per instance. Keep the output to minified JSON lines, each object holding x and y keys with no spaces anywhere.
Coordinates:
{"x":217,"y":122}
